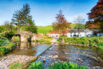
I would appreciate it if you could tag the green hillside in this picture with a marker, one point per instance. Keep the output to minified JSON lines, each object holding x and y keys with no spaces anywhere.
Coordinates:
{"x":44,"y":29}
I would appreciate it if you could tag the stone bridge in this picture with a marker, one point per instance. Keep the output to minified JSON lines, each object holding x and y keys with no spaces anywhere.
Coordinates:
{"x":26,"y":38}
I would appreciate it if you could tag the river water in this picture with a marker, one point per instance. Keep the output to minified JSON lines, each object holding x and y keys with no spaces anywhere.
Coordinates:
{"x":62,"y":53}
{"x":33,"y":51}
{"x":79,"y":55}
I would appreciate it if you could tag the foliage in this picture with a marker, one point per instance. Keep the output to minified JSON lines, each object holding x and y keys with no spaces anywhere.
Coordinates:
{"x":66,"y":65}
{"x":96,"y":16}
{"x":4,"y":41}
{"x":16,"y":66}
{"x":10,"y":46}
{"x":23,"y":18}
{"x":1,"y":29}
{"x":31,"y":28}
{"x":61,"y":23}
{"x":74,"y":26}
{"x":15,"y":39}
{"x":6,"y":49}
{"x":9,"y":34}
{"x":46,"y":40}
{"x":36,"y":65}
{"x":8,"y":26}
{"x":3,"y":51}
{"x":5,"y":46}
{"x":58,"y":65}
{"x":8,"y":30}
{"x":79,"y":23}
{"x":93,"y":41}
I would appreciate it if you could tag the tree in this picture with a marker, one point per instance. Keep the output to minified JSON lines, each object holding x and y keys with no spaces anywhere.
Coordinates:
{"x":31,"y":26}
{"x":96,"y":16}
{"x":79,"y":23}
{"x":9,"y":30}
{"x":61,"y":23}
{"x":8,"y":26}
{"x":1,"y":29}
{"x":23,"y":18}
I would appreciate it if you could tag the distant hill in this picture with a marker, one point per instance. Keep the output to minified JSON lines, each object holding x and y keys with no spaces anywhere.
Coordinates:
{"x":44,"y":29}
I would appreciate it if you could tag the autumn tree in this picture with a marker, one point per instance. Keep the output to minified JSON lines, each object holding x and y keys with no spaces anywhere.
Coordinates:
{"x":96,"y":16}
{"x":61,"y":23}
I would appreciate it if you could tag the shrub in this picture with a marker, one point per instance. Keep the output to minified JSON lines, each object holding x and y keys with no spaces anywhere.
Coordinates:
{"x":6,"y":49}
{"x":6,"y":46}
{"x":46,"y":40}
{"x":10,"y":46}
{"x":3,"y":51}
{"x":58,"y":65}
{"x":9,"y":35}
{"x":15,"y":39}
{"x":4,"y":41}
{"x":93,"y":41}
{"x":37,"y":65}
{"x":66,"y":65}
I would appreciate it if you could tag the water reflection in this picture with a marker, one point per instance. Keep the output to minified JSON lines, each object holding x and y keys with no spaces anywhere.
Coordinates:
{"x":34,"y":49}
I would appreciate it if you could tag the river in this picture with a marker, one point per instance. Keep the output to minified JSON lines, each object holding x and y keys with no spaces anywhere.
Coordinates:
{"x":82,"y":56}
{"x":64,"y":53}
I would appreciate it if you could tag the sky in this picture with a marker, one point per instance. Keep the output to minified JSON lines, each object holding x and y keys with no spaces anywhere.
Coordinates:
{"x":45,"y":11}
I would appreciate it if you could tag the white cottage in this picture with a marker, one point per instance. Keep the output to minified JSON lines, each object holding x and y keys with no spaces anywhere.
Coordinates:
{"x":53,"y":34}
{"x":80,"y":33}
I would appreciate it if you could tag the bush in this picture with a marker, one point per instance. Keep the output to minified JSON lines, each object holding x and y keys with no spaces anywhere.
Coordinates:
{"x":15,"y":39}
{"x":58,"y":65}
{"x":10,"y":46}
{"x":37,"y":65}
{"x":66,"y":65}
{"x":93,"y":41}
{"x":46,"y":40}
{"x":9,"y":35}
{"x":3,"y":51}
{"x":4,"y":41}
{"x":6,"y":46}
{"x":6,"y":49}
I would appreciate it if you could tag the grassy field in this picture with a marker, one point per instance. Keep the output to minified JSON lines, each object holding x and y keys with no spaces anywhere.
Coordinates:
{"x":44,"y":29}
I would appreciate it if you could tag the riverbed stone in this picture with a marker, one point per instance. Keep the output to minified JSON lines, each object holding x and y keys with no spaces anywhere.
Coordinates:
{"x":7,"y":60}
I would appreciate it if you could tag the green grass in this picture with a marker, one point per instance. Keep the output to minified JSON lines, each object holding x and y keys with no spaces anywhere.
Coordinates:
{"x":44,"y":29}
